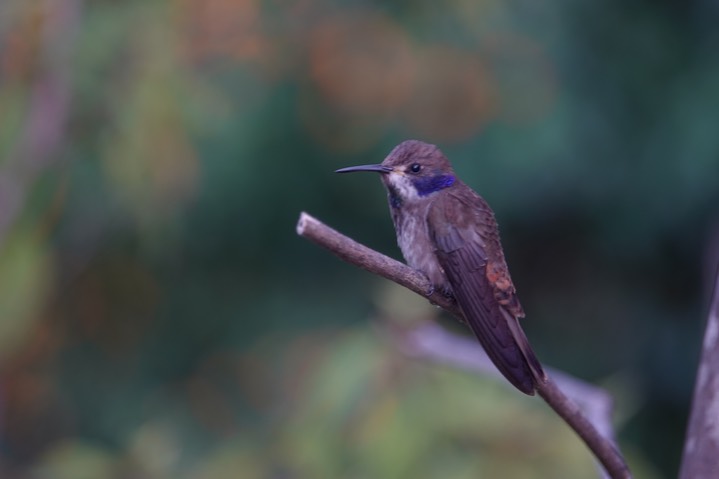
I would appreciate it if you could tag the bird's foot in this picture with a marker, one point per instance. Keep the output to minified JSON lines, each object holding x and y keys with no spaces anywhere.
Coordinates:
{"x":444,"y":290}
{"x":431,"y":288}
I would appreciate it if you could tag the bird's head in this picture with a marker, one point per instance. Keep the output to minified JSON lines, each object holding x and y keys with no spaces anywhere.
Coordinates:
{"x":413,"y":171}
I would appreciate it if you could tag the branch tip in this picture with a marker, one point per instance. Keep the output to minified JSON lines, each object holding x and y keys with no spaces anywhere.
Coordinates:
{"x":302,"y":223}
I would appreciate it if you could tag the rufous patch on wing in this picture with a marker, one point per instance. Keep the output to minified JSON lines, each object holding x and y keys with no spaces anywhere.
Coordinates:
{"x":504,"y":291}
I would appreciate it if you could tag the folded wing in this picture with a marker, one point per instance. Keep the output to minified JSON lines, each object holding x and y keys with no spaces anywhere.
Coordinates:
{"x":464,"y":250}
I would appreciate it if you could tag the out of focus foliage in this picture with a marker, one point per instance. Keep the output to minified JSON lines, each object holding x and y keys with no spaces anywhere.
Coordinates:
{"x":160,"y":318}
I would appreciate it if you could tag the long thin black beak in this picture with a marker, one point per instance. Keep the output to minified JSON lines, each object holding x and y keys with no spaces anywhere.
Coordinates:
{"x":377,"y":168}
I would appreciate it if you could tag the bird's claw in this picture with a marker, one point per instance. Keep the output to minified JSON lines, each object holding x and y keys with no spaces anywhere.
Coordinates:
{"x":445,"y":291}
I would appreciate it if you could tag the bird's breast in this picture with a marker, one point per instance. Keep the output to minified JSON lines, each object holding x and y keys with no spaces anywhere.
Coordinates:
{"x":416,"y":246}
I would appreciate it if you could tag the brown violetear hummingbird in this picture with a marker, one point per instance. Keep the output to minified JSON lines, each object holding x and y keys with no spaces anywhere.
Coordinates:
{"x":448,"y":232}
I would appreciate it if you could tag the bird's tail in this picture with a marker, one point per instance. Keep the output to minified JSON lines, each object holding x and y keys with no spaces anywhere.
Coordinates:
{"x":523,"y":344}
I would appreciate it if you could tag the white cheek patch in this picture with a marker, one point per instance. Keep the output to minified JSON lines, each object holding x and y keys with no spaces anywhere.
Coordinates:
{"x":404,"y":186}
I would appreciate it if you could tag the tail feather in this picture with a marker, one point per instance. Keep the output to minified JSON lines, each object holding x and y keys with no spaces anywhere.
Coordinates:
{"x":523,"y":343}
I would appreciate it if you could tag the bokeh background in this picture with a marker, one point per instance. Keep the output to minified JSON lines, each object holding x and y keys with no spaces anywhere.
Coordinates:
{"x":160,"y":318}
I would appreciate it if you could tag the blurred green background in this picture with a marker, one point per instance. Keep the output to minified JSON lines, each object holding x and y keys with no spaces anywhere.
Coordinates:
{"x":159,"y":317}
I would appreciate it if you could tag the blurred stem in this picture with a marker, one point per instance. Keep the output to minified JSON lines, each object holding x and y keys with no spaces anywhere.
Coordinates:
{"x":433,"y":342}
{"x":359,"y":255}
{"x":701,"y":448}
{"x":43,"y":133}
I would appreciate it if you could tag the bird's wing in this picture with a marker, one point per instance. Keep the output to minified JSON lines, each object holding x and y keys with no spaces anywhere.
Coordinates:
{"x":461,"y":239}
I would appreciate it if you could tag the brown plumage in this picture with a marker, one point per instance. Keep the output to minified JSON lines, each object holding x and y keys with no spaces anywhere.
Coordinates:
{"x":448,"y":232}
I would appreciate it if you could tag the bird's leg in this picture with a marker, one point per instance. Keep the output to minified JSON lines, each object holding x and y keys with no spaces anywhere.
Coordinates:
{"x":445,"y":289}
{"x":431,"y":289}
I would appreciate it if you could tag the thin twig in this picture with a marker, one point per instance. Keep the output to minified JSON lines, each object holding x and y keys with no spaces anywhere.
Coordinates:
{"x":602,"y":447}
{"x":359,"y":255}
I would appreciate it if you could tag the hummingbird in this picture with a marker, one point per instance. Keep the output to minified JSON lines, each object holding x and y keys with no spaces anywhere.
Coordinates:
{"x":449,"y":233}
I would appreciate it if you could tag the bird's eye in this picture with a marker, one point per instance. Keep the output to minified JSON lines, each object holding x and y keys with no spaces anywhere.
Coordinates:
{"x":415,"y":167}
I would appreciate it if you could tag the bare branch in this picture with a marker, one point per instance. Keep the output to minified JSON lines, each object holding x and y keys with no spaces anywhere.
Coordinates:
{"x":359,"y":255}
{"x":701,"y":448}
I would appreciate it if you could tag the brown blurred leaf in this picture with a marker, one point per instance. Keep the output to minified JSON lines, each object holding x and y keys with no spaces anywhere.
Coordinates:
{"x":361,"y":67}
{"x":221,"y":28}
{"x":453,"y":95}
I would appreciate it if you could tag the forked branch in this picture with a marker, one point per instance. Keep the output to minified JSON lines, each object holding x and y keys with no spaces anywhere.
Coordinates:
{"x":359,"y":255}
